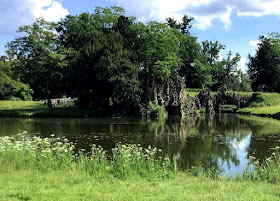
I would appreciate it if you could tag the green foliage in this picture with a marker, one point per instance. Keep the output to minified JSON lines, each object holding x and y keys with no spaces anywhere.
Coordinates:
{"x":183,"y":26}
{"x":37,"y":153}
{"x":38,"y":58}
{"x":112,"y":63}
{"x":101,"y":64}
{"x":10,"y":87}
{"x":264,"y":69}
{"x":239,"y":81}
{"x":224,"y":71}
{"x":152,"y":109}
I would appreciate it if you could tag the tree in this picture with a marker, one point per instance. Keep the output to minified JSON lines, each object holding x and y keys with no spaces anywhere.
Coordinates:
{"x":157,"y":51}
{"x":223,"y":71}
{"x":101,"y":59}
{"x":39,"y":60}
{"x":264,"y":66}
{"x":239,"y":81}
{"x":10,"y":87}
{"x":184,"y":26}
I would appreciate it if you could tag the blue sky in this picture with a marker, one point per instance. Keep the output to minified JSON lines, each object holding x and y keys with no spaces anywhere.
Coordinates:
{"x":235,"y":23}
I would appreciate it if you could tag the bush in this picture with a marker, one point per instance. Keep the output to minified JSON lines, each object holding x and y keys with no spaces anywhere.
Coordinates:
{"x":153,"y":110}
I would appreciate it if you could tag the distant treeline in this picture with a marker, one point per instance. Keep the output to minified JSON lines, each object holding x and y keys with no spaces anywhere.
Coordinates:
{"x":111,"y":61}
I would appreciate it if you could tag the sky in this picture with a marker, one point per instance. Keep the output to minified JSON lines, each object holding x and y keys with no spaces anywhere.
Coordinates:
{"x":237,"y":24}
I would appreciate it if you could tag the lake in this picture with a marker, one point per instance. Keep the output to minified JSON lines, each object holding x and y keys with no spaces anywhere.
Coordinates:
{"x":223,"y":141}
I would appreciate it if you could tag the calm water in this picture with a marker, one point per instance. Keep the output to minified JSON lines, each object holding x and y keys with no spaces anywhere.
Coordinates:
{"x":223,"y":141}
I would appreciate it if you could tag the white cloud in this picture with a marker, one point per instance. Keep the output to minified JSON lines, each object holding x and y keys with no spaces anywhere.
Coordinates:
{"x":254,"y":43}
{"x":50,"y":10}
{"x":15,"y":13}
{"x":204,"y":11}
{"x":242,"y":64}
{"x":253,"y":46}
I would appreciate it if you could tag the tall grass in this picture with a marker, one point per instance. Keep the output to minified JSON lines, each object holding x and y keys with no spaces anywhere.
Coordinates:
{"x":21,"y":152}
{"x":268,"y":170}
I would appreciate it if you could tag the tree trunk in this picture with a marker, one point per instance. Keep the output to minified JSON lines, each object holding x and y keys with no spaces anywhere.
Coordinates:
{"x":48,"y":96}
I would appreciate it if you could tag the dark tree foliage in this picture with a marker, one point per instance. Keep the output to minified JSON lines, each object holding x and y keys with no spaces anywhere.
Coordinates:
{"x":264,"y":66}
{"x":184,"y":26}
{"x":100,"y":58}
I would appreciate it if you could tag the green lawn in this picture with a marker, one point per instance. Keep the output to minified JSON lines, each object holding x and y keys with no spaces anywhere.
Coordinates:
{"x":193,"y":93}
{"x":267,"y":110}
{"x":267,"y":104}
{"x":7,"y":105}
{"x":34,"y":109}
{"x":61,"y":185}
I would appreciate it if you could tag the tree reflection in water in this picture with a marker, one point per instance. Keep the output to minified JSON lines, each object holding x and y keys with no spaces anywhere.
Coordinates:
{"x":222,"y":141}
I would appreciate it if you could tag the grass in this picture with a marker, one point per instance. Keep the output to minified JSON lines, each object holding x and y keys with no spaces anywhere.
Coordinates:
{"x":46,"y":169}
{"x":23,"y":152}
{"x":194,"y":92}
{"x":265,"y":104}
{"x":228,"y":108}
{"x":34,"y":109}
{"x":8,"y":105}
{"x":268,"y":171}
{"x":72,"y":185}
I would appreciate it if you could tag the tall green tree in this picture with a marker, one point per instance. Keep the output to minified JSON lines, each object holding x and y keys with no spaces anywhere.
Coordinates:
{"x":39,"y":60}
{"x":157,"y":51}
{"x":222,"y":69}
{"x":264,"y":66}
{"x":101,"y":60}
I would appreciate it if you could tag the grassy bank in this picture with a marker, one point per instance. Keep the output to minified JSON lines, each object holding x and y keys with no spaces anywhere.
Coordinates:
{"x":264,"y":104}
{"x":47,"y":169}
{"x":194,"y":92}
{"x":34,"y":109}
{"x":72,"y":185}
{"x":13,"y":105}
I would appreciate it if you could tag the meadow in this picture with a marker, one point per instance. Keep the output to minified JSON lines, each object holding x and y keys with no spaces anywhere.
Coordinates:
{"x":264,"y":104}
{"x":34,"y":109}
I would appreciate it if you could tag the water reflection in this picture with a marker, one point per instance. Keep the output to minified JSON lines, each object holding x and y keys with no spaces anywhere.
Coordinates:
{"x":222,"y":141}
